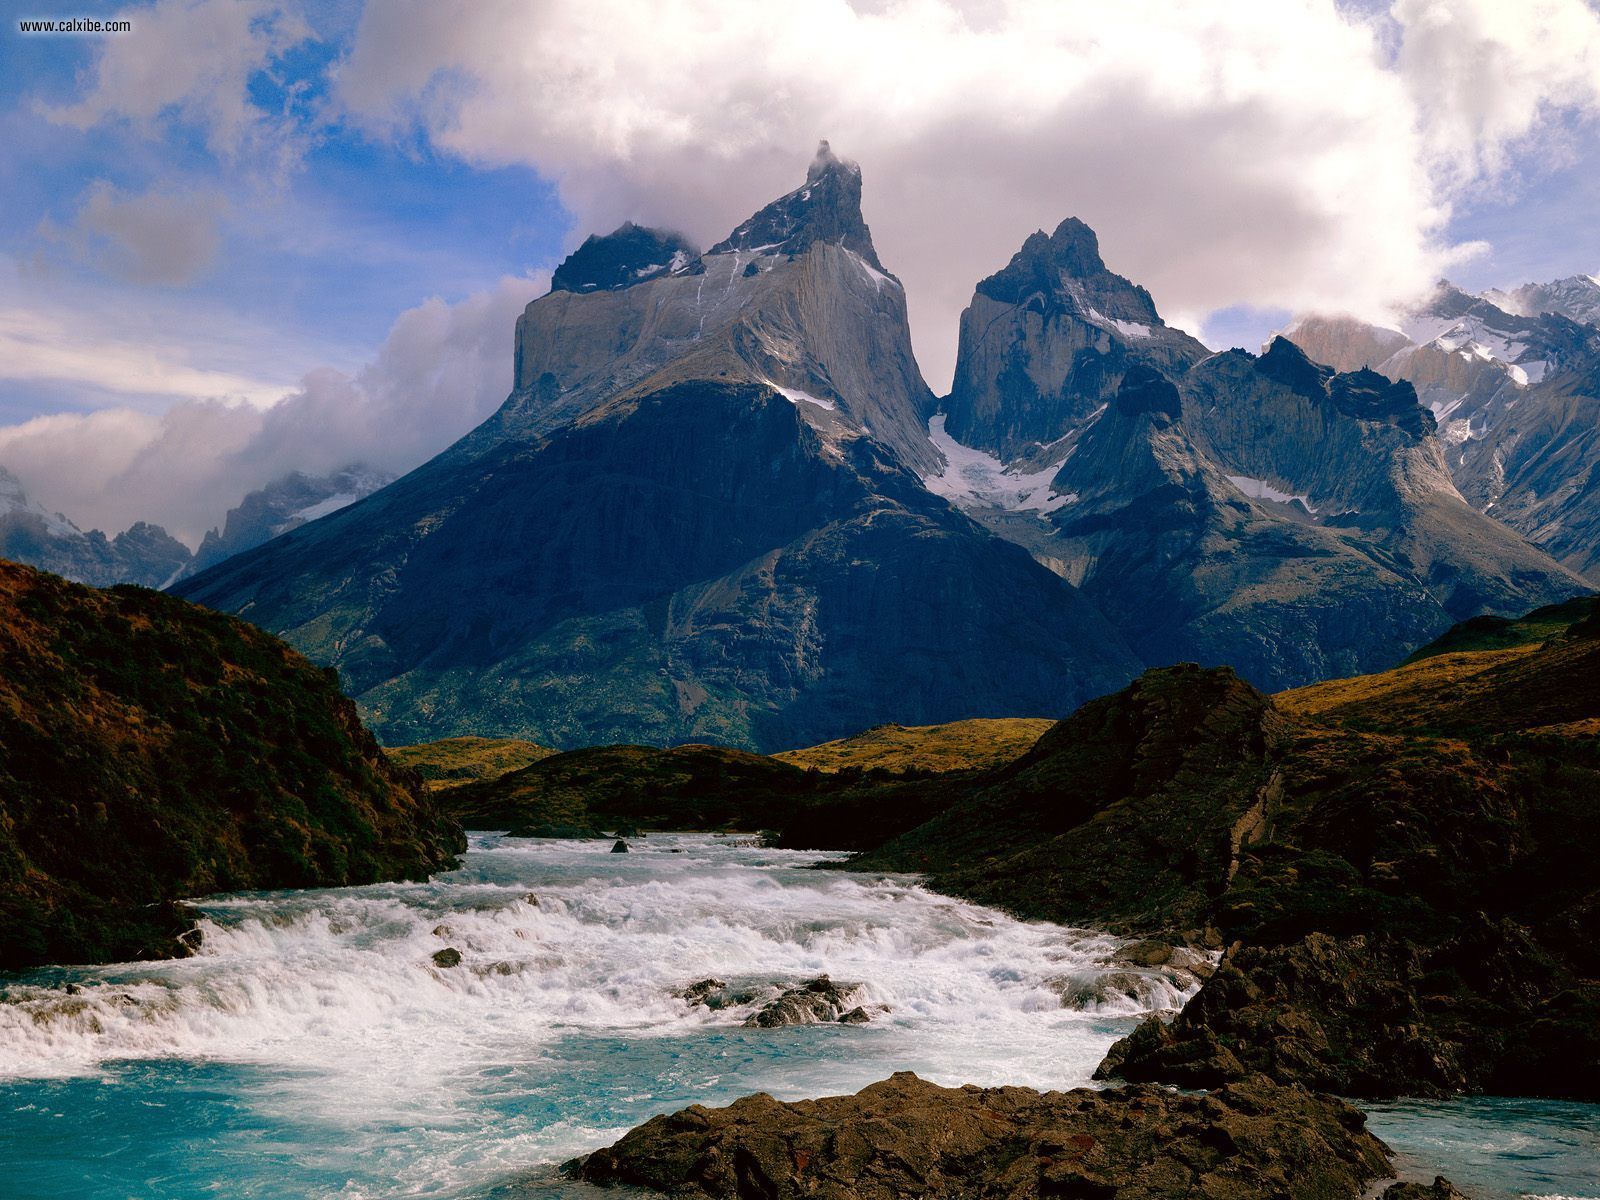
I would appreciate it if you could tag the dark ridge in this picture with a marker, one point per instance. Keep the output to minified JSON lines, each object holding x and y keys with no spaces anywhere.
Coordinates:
{"x":1071,"y":252}
{"x":628,"y":255}
{"x":1146,"y":390}
{"x":1370,"y":396}
{"x":826,"y":208}
{"x":1285,"y":363}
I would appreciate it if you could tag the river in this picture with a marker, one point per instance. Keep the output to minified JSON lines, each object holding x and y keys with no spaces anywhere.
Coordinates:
{"x":314,"y":1049}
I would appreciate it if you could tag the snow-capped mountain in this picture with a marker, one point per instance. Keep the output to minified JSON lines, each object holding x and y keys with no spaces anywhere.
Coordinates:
{"x":144,"y":554}
{"x":721,"y":504}
{"x":1265,"y":512}
{"x":1577,"y":297}
{"x":1516,"y":397}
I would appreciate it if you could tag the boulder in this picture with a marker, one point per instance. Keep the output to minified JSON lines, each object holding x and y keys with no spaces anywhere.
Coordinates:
{"x":448,"y":957}
{"x":1440,"y":1189}
{"x":621,"y":847}
{"x":905,"y":1137}
{"x":815,"y":1002}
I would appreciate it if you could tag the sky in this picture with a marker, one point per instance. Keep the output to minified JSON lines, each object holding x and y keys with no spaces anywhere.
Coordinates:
{"x":255,"y":236}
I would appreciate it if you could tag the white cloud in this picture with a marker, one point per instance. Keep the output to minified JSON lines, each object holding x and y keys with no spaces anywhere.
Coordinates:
{"x":441,"y":371}
{"x":1261,"y":152}
{"x":59,"y":346}
{"x":1483,"y":73}
{"x":162,"y":236}
{"x":193,"y":60}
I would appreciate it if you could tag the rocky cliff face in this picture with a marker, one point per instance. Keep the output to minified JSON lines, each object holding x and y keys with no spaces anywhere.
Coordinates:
{"x":1355,"y":453}
{"x":144,"y":554}
{"x":1046,"y":341}
{"x":151,"y":750}
{"x":796,"y":297}
{"x":1515,"y":391}
{"x":1266,"y":512}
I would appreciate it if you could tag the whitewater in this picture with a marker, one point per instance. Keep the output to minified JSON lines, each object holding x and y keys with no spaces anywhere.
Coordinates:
{"x":314,"y":1048}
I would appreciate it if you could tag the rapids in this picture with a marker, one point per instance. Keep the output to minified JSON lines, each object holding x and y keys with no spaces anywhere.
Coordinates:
{"x":313,"y":1048}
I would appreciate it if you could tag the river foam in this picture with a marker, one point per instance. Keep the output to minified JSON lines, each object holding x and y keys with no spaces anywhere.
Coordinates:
{"x":329,"y":1022}
{"x":313,"y":1048}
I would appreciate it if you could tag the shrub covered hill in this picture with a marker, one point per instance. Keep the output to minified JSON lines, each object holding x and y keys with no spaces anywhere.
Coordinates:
{"x":1400,"y":867}
{"x":152,"y":750}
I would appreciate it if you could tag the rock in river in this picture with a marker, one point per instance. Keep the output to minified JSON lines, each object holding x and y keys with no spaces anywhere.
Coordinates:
{"x":906,"y":1137}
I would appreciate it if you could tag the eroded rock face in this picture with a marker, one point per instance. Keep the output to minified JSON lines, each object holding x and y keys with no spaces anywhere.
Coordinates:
{"x":1513,"y":379}
{"x":905,"y":1137}
{"x":1048,"y":339}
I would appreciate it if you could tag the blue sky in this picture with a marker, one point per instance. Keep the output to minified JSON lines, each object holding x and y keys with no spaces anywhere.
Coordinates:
{"x":244,"y":200}
{"x":314,"y":263}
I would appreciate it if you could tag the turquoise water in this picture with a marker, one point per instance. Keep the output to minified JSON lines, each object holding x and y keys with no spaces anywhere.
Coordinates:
{"x":314,"y":1050}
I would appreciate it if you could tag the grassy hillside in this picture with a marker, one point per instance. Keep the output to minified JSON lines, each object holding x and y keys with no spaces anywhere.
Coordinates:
{"x":452,"y":761}
{"x":974,"y":745}
{"x":1502,"y":633}
{"x":152,"y":750}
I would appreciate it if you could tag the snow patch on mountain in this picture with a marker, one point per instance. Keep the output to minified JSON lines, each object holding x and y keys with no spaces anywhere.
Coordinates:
{"x":1260,"y":489}
{"x":974,"y":478}
{"x":796,"y":396}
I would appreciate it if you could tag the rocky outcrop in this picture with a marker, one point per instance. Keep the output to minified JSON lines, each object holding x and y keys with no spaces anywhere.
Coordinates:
{"x":905,"y":1137}
{"x":818,"y":1001}
{"x":151,"y":750}
{"x":1400,"y":866}
{"x":626,"y":256}
{"x":143,"y":554}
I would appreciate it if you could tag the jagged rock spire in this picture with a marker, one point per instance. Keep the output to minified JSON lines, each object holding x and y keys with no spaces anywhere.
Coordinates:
{"x":826,"y":208}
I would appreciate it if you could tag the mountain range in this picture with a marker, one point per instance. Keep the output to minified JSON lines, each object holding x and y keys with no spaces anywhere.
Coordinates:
{"x":147,"y":554}
{"x":1512,"y":379}
{"x":721,"y":504}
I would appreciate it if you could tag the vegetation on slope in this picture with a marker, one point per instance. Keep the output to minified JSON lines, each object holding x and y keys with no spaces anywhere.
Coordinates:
{"x":973,"y":745}
{"x":1401,"y":866}
{"x":152,"y":750}
{"x":1501,"y":633}
{"x":453,"y":761}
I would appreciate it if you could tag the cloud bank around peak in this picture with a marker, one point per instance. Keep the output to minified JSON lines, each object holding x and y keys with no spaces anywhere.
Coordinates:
{"x":1271,"y":153}
{"x":441,"y":371}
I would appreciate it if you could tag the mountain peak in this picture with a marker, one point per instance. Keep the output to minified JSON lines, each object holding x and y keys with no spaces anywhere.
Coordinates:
{"x":1067,"y":263}
{"x":826,"y":160}
{"x":627,"y":255}
{"x":1285,"y":363}
{"x":826,"y":208}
